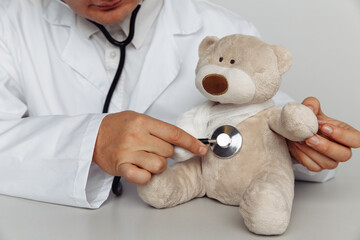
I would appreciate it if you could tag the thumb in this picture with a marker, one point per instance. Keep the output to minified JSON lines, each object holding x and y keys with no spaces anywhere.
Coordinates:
{"x":314,"y":104}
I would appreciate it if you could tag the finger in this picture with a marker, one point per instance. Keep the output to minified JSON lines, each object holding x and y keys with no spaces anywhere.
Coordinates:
{"x":178,"y":137}
{"x":134,"y":174}
{"x":306,"y":160}
{"x":335,"y":151}
{"x":321,"y":160}
{"x":158,"y":146}
{"x":314,"y":104}
{"x":150,"y":162}
{"x":347,"y":137}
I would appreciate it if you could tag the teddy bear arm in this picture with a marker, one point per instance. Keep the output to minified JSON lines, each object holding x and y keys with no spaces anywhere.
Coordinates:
{"x":194,"y":122}
{"x":275,"y":123}
{"x":293,"y":121}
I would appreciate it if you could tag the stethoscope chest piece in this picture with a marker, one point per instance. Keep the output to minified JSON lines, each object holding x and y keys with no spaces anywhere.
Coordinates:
{"x":229,"y":141}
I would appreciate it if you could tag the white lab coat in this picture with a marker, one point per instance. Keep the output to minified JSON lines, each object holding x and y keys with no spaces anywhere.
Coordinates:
{"x":53,"y":85}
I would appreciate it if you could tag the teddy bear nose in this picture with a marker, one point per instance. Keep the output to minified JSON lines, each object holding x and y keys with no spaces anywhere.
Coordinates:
{"x":215,"y":84}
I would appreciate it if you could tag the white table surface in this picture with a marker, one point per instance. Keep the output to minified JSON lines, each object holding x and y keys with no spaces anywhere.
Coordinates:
{"x":328,"y":211}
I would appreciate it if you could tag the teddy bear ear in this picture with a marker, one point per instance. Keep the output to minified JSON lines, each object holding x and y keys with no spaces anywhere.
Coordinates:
{"x":206,"y":43}
{"x":284,"y":58}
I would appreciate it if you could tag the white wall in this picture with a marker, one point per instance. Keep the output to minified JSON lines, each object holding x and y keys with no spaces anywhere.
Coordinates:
{"x":324,"y":37}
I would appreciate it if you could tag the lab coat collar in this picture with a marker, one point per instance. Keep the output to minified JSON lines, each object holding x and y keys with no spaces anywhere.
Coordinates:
{"x":54,"y":12}
{"x":178,"y":21}
{"x":146,"y":17}
{"x":183,"y":22}
{"x":157,"y":74}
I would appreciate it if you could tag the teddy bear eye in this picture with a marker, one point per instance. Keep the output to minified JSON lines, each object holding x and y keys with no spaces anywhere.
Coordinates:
{"x":232,"y":61}
{"x":221,"y":59}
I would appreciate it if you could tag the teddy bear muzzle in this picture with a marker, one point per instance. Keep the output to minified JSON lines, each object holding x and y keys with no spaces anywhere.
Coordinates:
{"x":215,"y":84}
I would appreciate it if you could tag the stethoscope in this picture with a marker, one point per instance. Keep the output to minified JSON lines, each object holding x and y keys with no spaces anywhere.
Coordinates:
{"x":116,"y":185}
{"x":226,"y":140}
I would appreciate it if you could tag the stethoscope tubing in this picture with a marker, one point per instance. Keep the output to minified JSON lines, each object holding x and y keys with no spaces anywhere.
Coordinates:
{"x":221,"y":152}
{"x":116,"y":185}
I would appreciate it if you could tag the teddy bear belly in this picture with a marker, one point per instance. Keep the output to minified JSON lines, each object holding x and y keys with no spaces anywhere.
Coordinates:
{"x":227,"y":179}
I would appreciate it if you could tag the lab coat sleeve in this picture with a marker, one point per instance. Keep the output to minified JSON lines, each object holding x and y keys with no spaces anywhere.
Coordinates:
{"x":47,"y":158}
{"x":50,"y":159}
{"x":301,"y":172}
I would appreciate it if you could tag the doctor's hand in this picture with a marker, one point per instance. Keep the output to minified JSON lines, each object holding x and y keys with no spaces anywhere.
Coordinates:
{"x":134,"y":146}
{"x":330,"y":146}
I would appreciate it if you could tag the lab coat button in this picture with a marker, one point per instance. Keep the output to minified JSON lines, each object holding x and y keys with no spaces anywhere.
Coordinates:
{"x":113,"y":54}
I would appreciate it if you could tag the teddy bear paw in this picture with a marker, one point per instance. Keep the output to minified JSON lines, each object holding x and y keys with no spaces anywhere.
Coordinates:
{"x":299,"y":121}
{"x":181,"y":154}
{"x":264,"y":209}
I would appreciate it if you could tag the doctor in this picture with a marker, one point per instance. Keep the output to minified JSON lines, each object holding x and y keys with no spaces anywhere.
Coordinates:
{"x":55,"y":71}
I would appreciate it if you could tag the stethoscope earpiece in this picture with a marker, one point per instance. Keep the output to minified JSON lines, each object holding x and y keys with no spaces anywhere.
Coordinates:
{"x":225,"y":142}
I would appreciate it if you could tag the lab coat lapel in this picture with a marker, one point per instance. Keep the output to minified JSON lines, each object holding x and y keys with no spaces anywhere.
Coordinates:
{"x":156,"y":73}
{"x":163,"y":60}
{"x":80,"y":55}
{"x":77,"y":51}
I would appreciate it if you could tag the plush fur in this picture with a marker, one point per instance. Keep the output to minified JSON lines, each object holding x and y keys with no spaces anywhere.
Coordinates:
{"x":239,"y":75}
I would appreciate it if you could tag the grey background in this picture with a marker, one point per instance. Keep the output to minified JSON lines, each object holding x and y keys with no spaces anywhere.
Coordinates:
{"x":324,"y":37}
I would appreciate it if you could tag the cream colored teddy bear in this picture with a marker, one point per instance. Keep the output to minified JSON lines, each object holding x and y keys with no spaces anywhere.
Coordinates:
{"x":239,"y":75}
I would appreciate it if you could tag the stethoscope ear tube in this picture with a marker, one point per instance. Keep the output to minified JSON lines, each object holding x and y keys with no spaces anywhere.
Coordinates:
{"x":116,"y":185}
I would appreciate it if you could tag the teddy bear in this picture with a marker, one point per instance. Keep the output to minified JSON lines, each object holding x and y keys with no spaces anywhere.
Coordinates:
{"x":239,"y":75}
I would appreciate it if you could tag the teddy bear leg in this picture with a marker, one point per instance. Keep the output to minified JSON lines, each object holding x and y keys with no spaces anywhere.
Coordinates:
{"x":266,"y":204}
{"x":177,"y":184}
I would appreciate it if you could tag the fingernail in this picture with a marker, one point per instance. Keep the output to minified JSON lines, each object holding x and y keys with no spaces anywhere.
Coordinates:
{"x":327,"y":130}
{"x":203,"y":150}
{"x":314,"y":140}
